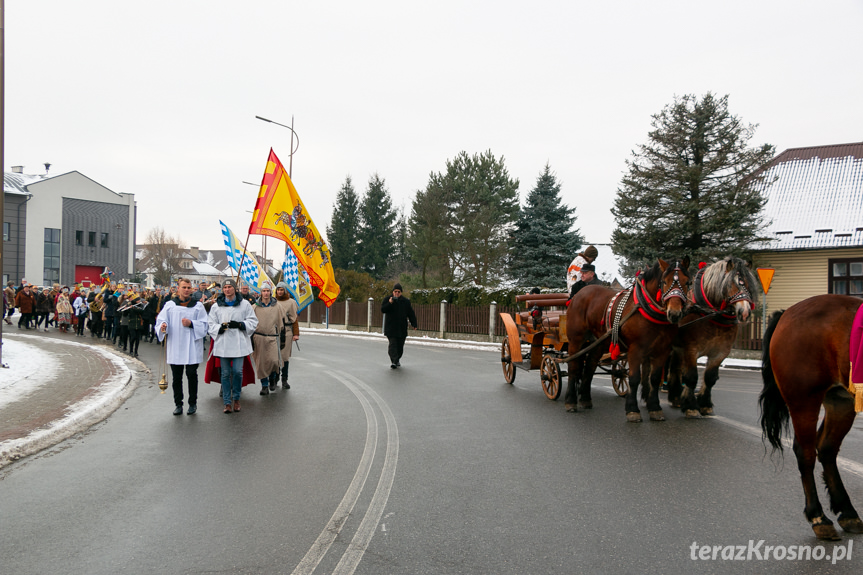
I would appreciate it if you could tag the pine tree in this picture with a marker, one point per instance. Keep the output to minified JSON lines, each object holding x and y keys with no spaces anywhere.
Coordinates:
{"x":427,"y":240}
{"x":343,"y":231}
{"x":377,"y":228}
{"x":689,"y":190}
{"x":544,"y":241}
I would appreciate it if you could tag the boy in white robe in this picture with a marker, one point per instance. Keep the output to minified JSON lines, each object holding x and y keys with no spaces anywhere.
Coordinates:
{"x":185,"y":321}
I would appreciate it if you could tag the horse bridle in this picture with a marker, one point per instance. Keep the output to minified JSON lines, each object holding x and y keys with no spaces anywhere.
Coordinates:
{"x":742,"y":295}
{"x":675,"y":289}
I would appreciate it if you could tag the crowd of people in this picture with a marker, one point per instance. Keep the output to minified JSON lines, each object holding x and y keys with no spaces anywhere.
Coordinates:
{"x":248,"y":332}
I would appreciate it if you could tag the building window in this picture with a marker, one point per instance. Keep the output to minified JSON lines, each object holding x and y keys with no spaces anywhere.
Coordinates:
{"x":103,"y":239}
{"x":51,"y":273}
{"x":846,"y":277}
{"x":91,"y":239}
{"x":7,"y":231}
{"x":79,"y":238}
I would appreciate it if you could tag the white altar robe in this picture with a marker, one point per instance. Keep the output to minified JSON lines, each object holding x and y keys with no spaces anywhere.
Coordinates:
{"x":185,"y":344}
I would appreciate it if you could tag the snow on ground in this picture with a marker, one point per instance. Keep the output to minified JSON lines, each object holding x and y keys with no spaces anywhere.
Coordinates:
{"x":29,"y":368}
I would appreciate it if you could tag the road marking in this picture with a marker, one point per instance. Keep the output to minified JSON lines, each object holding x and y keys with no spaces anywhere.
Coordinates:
{"x":846,"y":464}
{"x":325,"y":540}
{"x":356,"y":549}
{"x":354,"y":554}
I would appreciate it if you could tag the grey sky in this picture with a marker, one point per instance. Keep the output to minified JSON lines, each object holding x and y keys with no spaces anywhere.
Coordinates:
{"x":159,"y":98}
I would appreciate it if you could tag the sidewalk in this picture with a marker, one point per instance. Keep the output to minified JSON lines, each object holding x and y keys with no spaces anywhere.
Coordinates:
{"x":56,"y":385}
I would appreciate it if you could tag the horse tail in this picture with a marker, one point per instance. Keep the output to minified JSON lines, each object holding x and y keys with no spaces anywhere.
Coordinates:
{"x":774,"y":410}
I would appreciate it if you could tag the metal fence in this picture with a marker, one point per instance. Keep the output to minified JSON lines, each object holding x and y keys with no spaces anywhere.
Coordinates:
{"x":468,"y":320}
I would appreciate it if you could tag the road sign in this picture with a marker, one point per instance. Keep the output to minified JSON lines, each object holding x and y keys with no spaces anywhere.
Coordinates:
{"x":766,"y":276}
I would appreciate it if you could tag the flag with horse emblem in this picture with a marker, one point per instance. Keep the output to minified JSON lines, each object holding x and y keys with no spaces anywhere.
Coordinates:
{"x":280,"y":213}
{"x":295,"y":276}
{"x":248,"y":267}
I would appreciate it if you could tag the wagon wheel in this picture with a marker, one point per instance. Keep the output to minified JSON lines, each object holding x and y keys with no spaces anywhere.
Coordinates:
{"x":620,"y":377}
{"x":549,"y":371}
{"x":506,"y":362}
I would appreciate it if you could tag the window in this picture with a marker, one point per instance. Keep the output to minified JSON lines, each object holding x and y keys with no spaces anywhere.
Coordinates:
{"x":846,"y":277}
{"x":103,"y":239}
{"x":7,"y":231}
{"x":91,"y":239}
{"x":79,"y":238}
{"x":51,"y":273}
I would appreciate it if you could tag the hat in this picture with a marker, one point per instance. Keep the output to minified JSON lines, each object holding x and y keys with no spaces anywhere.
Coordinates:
{"x":588,"y":268}
{"x":230,"y":282}
{"x":266,"y":286}
{"x":591,"y":252}
{"x":398,"y":286}
{"x":282,"y":285}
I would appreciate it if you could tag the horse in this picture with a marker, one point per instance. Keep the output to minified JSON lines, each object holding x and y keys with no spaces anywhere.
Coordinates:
{"x":722,"y":295}
{"x":805,"y":366}
{"x":649,"y":323}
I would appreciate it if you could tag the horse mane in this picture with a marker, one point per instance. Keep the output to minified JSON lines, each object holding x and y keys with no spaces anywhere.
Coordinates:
{"x":716,"y":282}
{"x":655,"y":272}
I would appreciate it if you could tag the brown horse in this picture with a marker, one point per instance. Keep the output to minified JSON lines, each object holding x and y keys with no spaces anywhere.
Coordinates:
{"x":806,"y":366}
{"x":721,"y":296}
{"x":656,"y":301}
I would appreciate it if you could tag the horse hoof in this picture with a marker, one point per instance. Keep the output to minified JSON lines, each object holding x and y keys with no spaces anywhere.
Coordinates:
{"x":585,"y":404}
{"x":825,"y":530}
{"x":692,"y":414}
{"x":853,"y":525}
{"x":706,"y":411}
{"x":571,"y":408}
{"x":633,"y":417}
{"x":656,"y":415}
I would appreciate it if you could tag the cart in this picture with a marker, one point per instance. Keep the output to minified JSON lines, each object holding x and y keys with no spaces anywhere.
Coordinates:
{"x":544,"y":331}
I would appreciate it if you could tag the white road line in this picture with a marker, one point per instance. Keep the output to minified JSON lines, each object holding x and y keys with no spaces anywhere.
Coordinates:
{"x":325,"y":540}
{"x":354,"y":554}
{"x":846,"y":464}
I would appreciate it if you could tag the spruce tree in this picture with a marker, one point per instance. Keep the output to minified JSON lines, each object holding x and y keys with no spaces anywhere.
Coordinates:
{"x":377,"y":228}
{"x":544,"y":241}
{"x":344,"y":228}
{"x":690,"y":189}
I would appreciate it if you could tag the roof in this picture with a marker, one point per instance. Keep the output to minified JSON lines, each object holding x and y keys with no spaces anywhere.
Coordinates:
{"x":814,"y":198}
{"x":15,"y":183}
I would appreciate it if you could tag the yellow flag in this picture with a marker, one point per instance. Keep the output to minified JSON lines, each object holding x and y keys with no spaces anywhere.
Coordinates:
{"x":280,"y":213}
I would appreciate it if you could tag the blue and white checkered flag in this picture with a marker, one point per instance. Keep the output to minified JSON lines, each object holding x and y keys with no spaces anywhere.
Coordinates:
{"x":297,"y":279}
{"x":251,"y":271}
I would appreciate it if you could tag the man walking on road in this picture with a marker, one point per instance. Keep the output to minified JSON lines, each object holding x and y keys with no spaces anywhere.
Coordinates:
{"x":185,"y":321}
{"x":399,"y":313}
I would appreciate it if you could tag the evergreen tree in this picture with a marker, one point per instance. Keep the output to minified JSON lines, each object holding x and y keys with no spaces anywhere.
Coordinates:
{"x":377,"y":235}
{"x":544,"y":241}
{"x":343,"y":231}
{"x":690,"y":189}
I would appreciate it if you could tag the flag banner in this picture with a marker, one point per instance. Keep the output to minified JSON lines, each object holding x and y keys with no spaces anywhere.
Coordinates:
{"x":280,"y":213}
{"x":297,"y":279}
{"x":252,"y":273}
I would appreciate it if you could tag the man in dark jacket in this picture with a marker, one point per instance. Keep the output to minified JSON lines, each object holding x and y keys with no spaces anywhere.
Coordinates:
{"x":399,"y":313}
{"x":588,"y":277}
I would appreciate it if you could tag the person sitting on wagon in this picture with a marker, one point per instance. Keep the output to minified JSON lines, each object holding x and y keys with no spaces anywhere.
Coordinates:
{"x":573,"y":273}
{"x":588,"y":277}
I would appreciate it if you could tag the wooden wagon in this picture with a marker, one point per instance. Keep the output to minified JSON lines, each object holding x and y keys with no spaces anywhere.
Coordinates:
{"x":542,"y":327}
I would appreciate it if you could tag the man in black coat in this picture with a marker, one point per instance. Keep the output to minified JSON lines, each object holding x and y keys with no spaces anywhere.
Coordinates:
{"x":399,"y":313}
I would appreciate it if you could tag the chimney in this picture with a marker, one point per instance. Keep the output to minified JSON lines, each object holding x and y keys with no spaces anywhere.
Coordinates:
{"x":17,"y":169}
{"x":193,"y":250}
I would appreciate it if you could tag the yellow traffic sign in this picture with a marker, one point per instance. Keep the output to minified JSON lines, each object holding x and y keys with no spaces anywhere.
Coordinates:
{"x":766,"y":276}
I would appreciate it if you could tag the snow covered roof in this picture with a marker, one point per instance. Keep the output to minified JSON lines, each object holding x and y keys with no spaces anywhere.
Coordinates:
{"x":205,"y":269}
{"x":15,"y":183}
{"x":815,"y":198}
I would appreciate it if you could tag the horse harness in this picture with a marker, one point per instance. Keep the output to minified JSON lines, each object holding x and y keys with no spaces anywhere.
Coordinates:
{"x":724,"y":314}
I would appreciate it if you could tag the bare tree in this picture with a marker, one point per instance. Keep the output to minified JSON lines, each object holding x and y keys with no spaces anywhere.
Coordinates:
{"x":161,"y":255}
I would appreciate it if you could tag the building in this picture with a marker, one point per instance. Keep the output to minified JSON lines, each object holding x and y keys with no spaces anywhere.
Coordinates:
{"x":815,"y":209}
{"x":66,"y":229}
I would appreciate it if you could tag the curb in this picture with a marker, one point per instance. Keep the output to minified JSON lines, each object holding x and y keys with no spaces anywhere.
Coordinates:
{"x":102,"y":403}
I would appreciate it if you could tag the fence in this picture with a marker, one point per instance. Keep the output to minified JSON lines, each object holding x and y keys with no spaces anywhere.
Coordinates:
{"x":460,"y":322}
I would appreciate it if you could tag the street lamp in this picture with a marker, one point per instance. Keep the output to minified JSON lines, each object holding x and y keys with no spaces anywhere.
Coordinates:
{"x":293,"y":147}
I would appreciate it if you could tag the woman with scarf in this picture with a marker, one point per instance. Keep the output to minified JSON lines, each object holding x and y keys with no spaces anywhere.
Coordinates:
{"x":64,"y":310}
{"x":265,"y":341}
{"x":231,"y":323}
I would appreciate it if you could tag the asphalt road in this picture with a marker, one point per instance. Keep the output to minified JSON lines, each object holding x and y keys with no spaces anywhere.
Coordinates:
{"x":438,"y":467}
